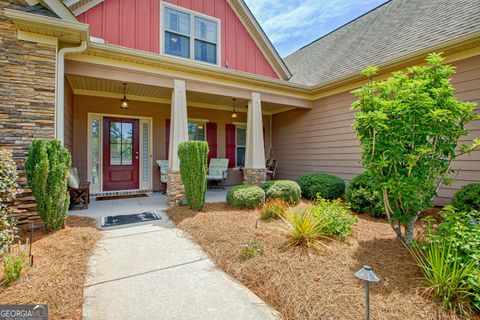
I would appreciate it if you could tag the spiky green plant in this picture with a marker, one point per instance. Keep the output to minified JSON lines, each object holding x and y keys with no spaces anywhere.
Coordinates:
{"x":47,"y":167}
{"x":445,"y":273}
{"x":303,"y":228}
{"x":193,"y":170}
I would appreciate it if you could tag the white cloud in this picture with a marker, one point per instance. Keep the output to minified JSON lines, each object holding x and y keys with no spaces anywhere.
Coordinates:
{"x":282,"y":19}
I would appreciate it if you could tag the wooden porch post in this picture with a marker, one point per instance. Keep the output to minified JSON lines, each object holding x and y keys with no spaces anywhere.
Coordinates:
{"x":254,"y":171}
{"x":178,"y":134}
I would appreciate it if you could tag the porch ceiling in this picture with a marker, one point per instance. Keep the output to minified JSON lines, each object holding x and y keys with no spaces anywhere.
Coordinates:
{"x":90,"y":86}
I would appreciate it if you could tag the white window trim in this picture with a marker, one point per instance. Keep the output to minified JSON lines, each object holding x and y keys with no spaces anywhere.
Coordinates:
{"x":143,"y":185}
{"x":192,"y":14}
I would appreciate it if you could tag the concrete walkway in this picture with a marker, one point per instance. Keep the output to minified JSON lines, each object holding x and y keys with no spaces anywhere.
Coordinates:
{"x":153,"y":271}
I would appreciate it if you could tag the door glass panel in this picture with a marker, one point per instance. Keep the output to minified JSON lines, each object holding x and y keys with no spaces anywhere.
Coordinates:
{"x":127,"y":143}
{"x":121,"y":143}
{"x":95,"y":150}
{"x":145,"y":153}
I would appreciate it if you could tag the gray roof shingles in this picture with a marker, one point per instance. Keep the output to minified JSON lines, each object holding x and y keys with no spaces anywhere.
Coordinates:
{"x":38,"y":9}
{"x":395,"y":29}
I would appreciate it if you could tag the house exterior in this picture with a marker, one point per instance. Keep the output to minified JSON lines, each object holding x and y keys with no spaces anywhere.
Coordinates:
{"x":184,"y":66}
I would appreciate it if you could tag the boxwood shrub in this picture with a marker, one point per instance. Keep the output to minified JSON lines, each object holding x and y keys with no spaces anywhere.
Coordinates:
{"x":325,"y":185}
{"x":283,"y":189}
{"x":467,"y":198}
{"x":245,"y":196}
{"x":363,"y":198}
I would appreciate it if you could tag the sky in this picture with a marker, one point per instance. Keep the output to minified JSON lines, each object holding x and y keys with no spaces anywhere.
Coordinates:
{"x":292,"y":24}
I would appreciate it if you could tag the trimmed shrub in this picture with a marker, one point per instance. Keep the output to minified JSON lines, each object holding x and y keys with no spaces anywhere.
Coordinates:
{"x":47,"y":167}
{"x":363,"y":198}
{"x":321,"y":184}
{"x":467,"y":198}
{"x":283,"y":189}
{"x":336,"y":218}
{"x":273,"y":209}
{"x":8,"y":189}
{"x":245,"y":196}
{"x":193,"y":170}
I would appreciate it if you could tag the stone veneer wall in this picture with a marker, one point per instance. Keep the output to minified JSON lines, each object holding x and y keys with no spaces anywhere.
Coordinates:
{"x":256,"y":177}
{"x":27,"y":98}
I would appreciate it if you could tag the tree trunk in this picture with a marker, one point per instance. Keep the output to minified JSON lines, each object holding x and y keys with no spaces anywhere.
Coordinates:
{"x":410,"y":231}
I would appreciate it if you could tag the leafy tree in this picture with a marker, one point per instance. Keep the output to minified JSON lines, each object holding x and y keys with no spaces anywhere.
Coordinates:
{"x":409,"y":127}
{"x":47,"y":167}
{"x":193,"y":171}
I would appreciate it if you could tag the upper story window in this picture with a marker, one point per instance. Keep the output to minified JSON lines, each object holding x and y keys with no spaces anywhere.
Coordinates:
{"x":189,"y":35}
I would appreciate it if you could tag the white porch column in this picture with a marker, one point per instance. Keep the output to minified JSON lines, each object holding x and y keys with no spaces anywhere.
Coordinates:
{"x":178,"y":134}
{"x":178,"y":123}
{"x":254,"y":171}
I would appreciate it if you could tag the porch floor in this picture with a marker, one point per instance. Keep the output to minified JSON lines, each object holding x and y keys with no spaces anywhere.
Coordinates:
{"x":153,"y":271}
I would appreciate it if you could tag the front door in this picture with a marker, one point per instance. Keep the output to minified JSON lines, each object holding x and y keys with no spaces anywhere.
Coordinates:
{"x":120,"y":154}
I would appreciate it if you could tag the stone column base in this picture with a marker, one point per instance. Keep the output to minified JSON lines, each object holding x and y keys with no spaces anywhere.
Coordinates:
{"x":175,"y":190}
{"x":256,"y":177}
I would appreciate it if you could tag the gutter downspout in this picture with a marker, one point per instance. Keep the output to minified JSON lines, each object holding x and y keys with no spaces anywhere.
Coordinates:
{"x":60,"y":96}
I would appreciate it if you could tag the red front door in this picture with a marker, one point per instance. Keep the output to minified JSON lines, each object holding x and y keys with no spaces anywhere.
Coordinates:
{"x":120,"y":154}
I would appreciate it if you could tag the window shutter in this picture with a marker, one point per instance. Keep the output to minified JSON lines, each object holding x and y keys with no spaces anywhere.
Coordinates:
{"x":230,"y":144}
{"x":167,"y":137}
{"x":212,"y":140}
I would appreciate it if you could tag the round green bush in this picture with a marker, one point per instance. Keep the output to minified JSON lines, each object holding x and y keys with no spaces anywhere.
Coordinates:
{"x":325,"y":185}
{"x":283,"y":189}
{"x":245,"y":196}
{"x":363,"y":198}
{"x":467,"y":198}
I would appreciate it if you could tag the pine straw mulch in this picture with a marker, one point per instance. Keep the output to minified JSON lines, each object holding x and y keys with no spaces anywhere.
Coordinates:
{"x":59,"y":271}
{"x":313,"y":285}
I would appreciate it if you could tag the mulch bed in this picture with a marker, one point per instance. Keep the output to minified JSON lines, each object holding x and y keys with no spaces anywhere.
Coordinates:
{"x":313,"y":285}
{"x":60,"y":268}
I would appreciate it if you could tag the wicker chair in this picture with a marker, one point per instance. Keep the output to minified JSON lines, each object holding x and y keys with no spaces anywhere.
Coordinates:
{"x":163,"y":164}
{"x":217,"y":171}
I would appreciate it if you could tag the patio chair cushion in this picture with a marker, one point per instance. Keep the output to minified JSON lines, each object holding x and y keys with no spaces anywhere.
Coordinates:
{"x":217,"y":170}
{"x":73,"y":181}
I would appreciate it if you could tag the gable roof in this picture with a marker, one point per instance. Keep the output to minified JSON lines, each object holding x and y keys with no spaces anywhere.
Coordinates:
{"x":391,"y":31}
{"x":242,"y":11}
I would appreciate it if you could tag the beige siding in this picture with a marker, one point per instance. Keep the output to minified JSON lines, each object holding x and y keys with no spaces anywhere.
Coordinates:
{"x":68,"y":134}
{"x":322,"y":139}
{"x":159,"y":113}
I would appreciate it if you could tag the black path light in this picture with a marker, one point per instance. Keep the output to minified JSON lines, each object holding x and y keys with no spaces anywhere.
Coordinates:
{"x":366,"y":274}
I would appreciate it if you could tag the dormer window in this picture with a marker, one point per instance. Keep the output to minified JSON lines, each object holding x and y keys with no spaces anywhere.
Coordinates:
{"x":190,"y":35}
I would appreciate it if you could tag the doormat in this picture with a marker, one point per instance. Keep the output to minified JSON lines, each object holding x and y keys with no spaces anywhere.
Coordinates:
{"x":122,"y":196}
{"x":112,"y":221}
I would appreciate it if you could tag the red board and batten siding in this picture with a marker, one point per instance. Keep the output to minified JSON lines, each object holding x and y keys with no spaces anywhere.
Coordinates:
{"x":136,"y":24}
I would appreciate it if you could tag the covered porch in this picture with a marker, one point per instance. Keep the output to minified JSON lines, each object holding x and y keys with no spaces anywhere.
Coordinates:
{"x":116,"y":149}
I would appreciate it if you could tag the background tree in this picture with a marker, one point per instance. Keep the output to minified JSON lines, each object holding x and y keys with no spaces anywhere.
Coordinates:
{"x":193,"y":170}
{"x":47,"y":167}
{"x":409,"y":127}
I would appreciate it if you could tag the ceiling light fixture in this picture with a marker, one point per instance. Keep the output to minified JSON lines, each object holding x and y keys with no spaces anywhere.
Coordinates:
{"x":234,"y":113}
{"x":124,"y":101}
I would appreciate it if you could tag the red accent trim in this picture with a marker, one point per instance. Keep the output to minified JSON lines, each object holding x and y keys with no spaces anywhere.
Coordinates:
{"x":136,"y":24}
{"x":212,"y":140}
{"x":120,"y":177}
{"x":167,"y":137}
{"x":230,"y":144}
